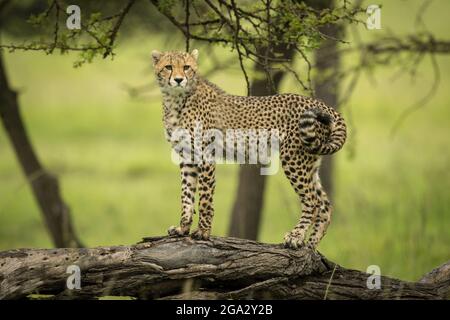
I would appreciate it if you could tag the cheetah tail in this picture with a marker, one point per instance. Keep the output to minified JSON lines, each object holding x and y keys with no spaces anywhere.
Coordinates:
{"x":311,"y":137}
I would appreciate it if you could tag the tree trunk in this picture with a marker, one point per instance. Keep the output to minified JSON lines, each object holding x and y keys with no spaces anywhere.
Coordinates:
{"x":44,"y":185}
{"x":248,"y":204}
{"x":327,"y":63}
{"x":176,"y":268}
{"x":247,"y":209}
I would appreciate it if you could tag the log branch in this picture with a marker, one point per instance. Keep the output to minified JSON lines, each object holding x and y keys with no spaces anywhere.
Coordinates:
{"x":438,"y":275}
{"x":178,"y":268}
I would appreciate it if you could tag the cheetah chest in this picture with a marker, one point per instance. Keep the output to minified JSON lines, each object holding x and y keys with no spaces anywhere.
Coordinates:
{"x":172,"y":112}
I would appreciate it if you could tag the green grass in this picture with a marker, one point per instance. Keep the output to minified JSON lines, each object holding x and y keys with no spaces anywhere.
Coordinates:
{"x":391,"y":201}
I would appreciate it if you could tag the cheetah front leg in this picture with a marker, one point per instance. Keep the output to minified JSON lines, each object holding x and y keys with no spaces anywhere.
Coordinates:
{"x":207,"y":184}
{"x":189,"y":178}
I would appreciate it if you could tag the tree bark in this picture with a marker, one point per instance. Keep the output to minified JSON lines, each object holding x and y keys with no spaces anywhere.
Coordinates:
{"x":176,"y":268}
{"x":437,"y":275}
{"x":248,"y":204}
{"x":44,"y":185}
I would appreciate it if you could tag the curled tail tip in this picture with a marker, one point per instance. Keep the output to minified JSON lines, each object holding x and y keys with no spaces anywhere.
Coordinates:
{"x":314,"y":141}
{"x":322,"y":116}
{"x":310,"y":115}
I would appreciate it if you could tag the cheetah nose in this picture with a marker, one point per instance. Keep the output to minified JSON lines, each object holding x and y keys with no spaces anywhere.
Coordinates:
{"x":178,"y":80}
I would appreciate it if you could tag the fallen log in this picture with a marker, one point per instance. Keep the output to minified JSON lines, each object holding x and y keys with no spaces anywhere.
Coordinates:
{"x":182,"y":268}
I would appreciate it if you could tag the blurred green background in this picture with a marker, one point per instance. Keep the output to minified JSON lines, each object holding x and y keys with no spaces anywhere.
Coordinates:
{"x":391,"y":192}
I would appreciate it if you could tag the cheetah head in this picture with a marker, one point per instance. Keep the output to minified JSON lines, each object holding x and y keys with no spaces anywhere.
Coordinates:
{"x":175,"y":70}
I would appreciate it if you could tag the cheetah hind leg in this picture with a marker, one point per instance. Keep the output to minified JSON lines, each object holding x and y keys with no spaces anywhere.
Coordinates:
{"x":323,"y":215}
{"x":296,"y":170}
{"x":295,"y":239}
{"x":200,"y":234}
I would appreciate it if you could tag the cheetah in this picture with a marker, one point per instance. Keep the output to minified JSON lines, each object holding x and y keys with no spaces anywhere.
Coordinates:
{"x":308,"y":127}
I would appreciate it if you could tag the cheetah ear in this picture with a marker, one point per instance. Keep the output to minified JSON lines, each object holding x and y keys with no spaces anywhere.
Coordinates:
{"x":194,"y":54}
{"x":156,"y":55}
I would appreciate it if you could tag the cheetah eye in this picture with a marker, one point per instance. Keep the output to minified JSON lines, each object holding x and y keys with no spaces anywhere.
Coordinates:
{"x":186,"y":68}
{"x":168,"y":67}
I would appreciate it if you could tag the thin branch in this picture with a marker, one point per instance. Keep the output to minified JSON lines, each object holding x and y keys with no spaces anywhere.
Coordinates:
{"x":224,"y":19}
{"x":46,"y":47}
{"x":116,"y":27}
{"x":422,"y":102}
{"x":56,"y":25}
{"x":412,"y":43}
{"x":296,"y":76}
{"x":181,"y":27}
{"x":421,"y":12}
{"x":188,"y":33}
{"x":269,"y":48}
{"x":236,"y":36}
{"x":308,"y":63}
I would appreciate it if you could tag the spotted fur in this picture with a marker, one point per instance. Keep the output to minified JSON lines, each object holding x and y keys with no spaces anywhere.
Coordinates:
{"x":309,"y":129}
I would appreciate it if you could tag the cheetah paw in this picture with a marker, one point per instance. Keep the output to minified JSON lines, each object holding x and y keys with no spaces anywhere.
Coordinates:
{"x":293,"y":241}
{"x":177,"y":231}
{"x":200,"y":234}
